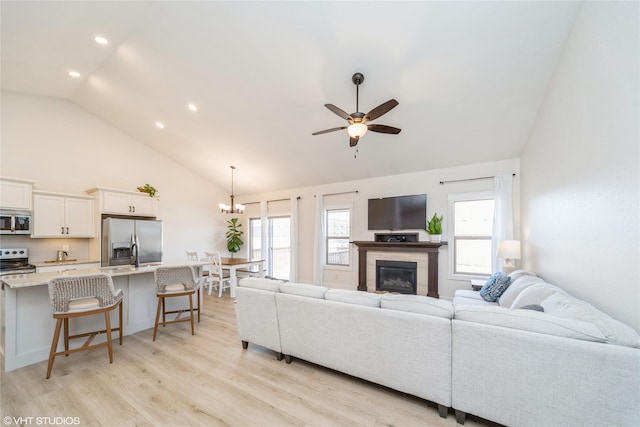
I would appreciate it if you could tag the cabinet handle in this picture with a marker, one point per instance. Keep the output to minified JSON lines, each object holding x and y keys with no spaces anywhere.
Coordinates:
{"x":61,"y":230}
{"x":134,"y":208}
{"x":67,"y":230}
{"x":129,"y":208}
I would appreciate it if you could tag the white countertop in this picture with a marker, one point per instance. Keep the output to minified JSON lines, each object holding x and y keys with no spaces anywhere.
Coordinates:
{"x":39,"y":279}
{"x":74,"y":262}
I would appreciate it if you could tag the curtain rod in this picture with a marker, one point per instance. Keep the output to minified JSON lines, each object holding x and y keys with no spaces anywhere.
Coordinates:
{"x":269,"y":201}
{"x":337,"y":194}
{"x":469,"y":179}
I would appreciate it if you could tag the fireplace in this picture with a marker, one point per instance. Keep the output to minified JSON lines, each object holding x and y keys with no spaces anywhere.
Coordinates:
{"x":396,"y":276}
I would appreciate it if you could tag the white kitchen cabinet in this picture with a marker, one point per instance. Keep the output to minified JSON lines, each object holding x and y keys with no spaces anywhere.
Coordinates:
{"x":56,"y":268}
{"x":58,"y":215}
{"x":15,"y":194}
{"x":118,"y":202}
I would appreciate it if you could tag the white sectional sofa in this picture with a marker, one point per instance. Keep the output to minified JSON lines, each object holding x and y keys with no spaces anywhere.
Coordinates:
{"x":570,"y":365}
{"x":399,"y":341}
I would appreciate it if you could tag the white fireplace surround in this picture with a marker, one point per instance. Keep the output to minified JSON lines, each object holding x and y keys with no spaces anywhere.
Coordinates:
{"x":422,"y":277}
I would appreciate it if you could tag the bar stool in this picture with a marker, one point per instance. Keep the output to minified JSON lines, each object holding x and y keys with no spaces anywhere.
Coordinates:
{"x":77,"y":296}
{"x":176,"y":282}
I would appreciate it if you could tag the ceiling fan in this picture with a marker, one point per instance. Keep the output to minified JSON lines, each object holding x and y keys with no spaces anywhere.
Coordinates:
{"x":358,"y":122}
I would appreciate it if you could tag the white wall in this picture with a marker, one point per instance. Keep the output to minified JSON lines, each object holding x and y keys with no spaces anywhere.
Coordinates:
{"x":580,"y":168}
{"x":64,"y":148}
{"x":414,"y":183}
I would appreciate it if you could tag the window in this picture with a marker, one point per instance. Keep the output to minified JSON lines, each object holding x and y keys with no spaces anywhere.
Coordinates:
{"x":338,"y":233}
{"x":471,"y":234}
{"x":278,"y":244}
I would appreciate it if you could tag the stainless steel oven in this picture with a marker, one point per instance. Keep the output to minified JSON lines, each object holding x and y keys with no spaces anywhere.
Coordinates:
{"x":15,"y":222}
{"x":15,"y":261}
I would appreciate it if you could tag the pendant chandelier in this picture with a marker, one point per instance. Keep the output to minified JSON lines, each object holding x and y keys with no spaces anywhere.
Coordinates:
{"x":233,"y":208}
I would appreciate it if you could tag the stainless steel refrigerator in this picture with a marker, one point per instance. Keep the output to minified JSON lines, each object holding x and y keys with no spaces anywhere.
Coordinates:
{"x":125,"y":239}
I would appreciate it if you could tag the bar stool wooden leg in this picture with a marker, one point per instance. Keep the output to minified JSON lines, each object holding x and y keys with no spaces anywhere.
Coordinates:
{"x":107,"y":321}
{"x":198,"y":305}
{"x":164,"y":316}
{"x":66,"y":335}
{"x":120,"y":324}
{"x":54,"y":345}
{"x":155,"y":327}
{"x":193,"y":329}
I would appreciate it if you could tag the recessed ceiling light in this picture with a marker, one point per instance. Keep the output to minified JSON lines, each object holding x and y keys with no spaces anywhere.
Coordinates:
{"x":74,"y":74}
{"x":192,"y":107}
{"x":160,"y":125}
{"x":101,"y":40}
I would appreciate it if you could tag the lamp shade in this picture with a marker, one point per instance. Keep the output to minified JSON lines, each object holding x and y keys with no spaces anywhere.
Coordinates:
{"x":509,"y":249}
{"x":357,"y":130}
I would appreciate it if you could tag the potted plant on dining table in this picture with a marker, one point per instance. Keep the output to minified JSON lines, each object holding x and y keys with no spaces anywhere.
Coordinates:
{"x":234,"y":236}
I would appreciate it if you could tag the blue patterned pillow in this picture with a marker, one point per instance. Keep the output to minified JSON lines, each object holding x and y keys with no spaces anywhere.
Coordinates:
{"x":495,"y":286}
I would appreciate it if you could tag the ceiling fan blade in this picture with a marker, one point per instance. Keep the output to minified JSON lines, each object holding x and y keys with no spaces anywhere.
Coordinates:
{"x":338,"y":111}
{"x":328,"y":130}
{"x":353,"y":142}
{"x":380,"y":110}
{"x":384,"y":129}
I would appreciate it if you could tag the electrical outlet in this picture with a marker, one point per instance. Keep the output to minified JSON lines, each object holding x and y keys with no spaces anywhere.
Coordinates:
{"x":65,"y":248}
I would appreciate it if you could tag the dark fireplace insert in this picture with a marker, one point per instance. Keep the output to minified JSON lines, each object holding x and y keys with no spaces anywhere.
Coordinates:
{"x":396,"y":276}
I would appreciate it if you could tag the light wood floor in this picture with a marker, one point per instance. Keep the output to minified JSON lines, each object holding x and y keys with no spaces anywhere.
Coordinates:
{"x":206,"y":379}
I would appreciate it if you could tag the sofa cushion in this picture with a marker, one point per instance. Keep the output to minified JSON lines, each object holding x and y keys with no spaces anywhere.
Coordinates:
{"x":534,"y":294}
{"x":304,"y":290}
{"x":531,"y":321}
{"x":515,"y":275}
{"x":261,"y":283}
{"x":495,"y":286}
{"x":566,"y":306}
{"x":467,"y":293}
{"x":418,"y":304}
{"x":515,"y":287}
{"x":368,"y":299}
{"x":458,"y":300}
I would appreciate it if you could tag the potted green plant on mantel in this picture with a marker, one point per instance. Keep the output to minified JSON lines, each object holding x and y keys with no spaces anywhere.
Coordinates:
{"x":434,"y":228}
{"x":234,"y":236}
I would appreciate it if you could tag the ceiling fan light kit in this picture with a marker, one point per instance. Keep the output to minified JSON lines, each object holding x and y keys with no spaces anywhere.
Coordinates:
{"x":358,"y":121}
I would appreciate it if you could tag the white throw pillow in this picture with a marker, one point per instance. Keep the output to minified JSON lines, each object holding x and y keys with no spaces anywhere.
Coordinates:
{"x":534,"y":294}
{"x":418,"y":304}
{"x":353,"y":297}
{"x":514,"y":289}
{"x":303,"y":290}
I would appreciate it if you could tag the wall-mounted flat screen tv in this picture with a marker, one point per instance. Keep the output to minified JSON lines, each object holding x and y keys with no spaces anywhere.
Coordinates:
{"x":398,"y":213}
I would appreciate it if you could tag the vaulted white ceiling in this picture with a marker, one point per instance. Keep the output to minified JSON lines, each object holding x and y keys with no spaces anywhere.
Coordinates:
{"x":469,"y":76}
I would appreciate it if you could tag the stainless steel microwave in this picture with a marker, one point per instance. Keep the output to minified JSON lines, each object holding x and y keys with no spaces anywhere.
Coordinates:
{"x":15,"y":222}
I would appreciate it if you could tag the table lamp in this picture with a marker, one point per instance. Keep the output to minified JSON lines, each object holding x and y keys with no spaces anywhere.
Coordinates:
{"x":509,"y":250}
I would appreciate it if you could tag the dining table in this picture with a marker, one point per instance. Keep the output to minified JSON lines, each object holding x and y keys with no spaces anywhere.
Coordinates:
{"x":233,"y":264}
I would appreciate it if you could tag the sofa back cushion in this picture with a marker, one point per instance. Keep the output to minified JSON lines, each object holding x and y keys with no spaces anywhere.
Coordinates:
{"x":303,"y":290}
{"x":417,"y":304}
{"x":566,"y":306}
{"x":261,"y":283}
{"x":353,"y":297}
{"x":515,"y":287}
{"x":531,"y":321}
{"x":534,"y":294}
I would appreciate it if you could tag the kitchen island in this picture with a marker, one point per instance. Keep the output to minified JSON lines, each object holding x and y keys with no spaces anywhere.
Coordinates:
{"x":26,"y":319}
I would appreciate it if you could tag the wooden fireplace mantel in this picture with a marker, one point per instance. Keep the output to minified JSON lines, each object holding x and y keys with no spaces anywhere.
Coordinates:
{"x":432,"y":250}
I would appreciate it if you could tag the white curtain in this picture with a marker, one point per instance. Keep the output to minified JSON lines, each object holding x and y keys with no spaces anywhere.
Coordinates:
{"x":318,"y":243}
{"x":293,"y":246}
{"x":502,"y":216}
{"x":264,"y":233}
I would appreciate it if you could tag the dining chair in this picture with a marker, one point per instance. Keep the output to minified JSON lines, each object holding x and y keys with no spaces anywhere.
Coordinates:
{"x":78,"y":296}
{"x":176,"y":282}
{"x":218,"y":276}
{"x":192,"y":255}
